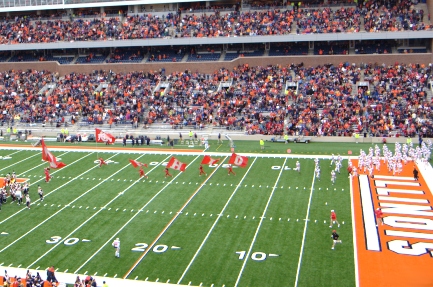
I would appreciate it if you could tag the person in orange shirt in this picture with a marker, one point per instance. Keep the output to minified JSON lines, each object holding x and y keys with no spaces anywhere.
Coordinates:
{"x":333,"y":219}
{"x":141,"y":172}
{"x":47,"y":174}
{"x":230,"y":170}
{"x":379,"y":216}
{"x":201,"y":171}
{"x":167,"y":173}
{"x":101,"y":162}
{"x":50,"y":275}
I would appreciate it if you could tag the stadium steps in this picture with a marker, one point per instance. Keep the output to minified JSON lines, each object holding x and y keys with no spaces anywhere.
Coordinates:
{"x":429,"y":95}
{"x":145,"y":58}
{"x":51,"y":88}
{"x":362,"y":25}
{"x":47,"y":89}
{"x":185,"y":58}
{"x":354,"y":91}
{"x":75,"y":59}
{"x":106,"y":58}
{"x":293,"y":28}
{"x":423,"y":6}
{"x":222,"y":57}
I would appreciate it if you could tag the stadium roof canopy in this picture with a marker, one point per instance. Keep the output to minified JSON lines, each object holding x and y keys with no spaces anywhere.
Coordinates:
{"x":170,"y":41}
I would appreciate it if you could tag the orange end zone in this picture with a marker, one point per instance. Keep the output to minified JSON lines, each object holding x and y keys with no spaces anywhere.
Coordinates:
{"x":399,"y":252}
{"x":20,"y":180}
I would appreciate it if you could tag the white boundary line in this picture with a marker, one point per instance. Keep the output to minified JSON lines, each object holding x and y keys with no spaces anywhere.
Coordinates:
{"x":305,"y":231}
{"x":96,"y":213}
{"x":214,"y":224}
{"x":174,"y":151}
{"x":19,"y":161}
{"x":45,"y":162}
{"x":120,"y":229}
{"x":14,"y":153}
{"x":58,"y":211}
{"x":260,"y":224}
{"x":34,"y":202}
{"x":355,"y":247}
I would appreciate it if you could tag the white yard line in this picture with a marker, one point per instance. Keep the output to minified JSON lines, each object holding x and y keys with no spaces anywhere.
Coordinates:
{"x":172,"y":220}
{"x":14,"y":152}
{"x":355,"y":247}
{"x":32,"y":167}
{"x":121,"y":228}
{"x":19,"y":161}
{"x":258,"y":227}
{"x":65,"y":206}
{"x":88,"y":219}
{"x":34,"y":202}
{"x":305,"y":231}
{"x":39,"y":166}
{"x":170,"y":152}
{"x":214,"y":224}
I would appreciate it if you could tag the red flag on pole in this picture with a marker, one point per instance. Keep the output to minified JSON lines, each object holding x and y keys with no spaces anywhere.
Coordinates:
{"x":137,"y":163}
{"x":176,"y":164}
{"x":103,"y":137}
{"x":238,"y":160}
{"x":48,"y":156}
{"x":56,"y":164}
{"x":208,"y":160}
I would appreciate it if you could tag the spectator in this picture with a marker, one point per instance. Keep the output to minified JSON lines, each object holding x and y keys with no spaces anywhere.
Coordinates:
{"x":50,"y":275}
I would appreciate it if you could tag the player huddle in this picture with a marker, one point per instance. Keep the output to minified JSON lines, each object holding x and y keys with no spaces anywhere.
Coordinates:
{"x":18,"y":192}
{"x":394,"y":161}
{"x":336,"y":161}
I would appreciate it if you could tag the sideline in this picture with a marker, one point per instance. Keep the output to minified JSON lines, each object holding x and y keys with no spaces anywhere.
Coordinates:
{"x":70,"y":279}
{"x":171,"y":151}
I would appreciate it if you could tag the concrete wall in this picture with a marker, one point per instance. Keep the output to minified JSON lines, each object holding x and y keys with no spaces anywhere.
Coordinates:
{"x":210,"y":134}
{"x":210,"y":67}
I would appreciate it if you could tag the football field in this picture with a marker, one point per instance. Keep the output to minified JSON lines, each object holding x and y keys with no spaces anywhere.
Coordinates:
{"x":266,"y":226}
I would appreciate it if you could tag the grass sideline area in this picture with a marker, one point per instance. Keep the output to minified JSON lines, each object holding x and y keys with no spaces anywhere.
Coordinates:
{"x":266,"y":226}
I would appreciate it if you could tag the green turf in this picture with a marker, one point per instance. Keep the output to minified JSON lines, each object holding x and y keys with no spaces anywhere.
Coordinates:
{"x":218,"y":238}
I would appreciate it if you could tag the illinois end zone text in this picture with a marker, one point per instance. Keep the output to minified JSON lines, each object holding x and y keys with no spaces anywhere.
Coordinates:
{"x":398,"y":252}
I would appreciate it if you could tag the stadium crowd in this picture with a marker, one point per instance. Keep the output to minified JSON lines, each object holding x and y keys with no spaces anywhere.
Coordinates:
{"x":254,"y":99}
{"x":393,"y":16}
{"x":32,"y":280}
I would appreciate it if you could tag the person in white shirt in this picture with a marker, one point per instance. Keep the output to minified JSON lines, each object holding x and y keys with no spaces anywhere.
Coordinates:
{"x":116,"y":245}
{"x":333,"y":176}
{"x":19,"y":195}
{"x":298,"y":166}
{"x":28,"y":201}
{"x":317,"y":172}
